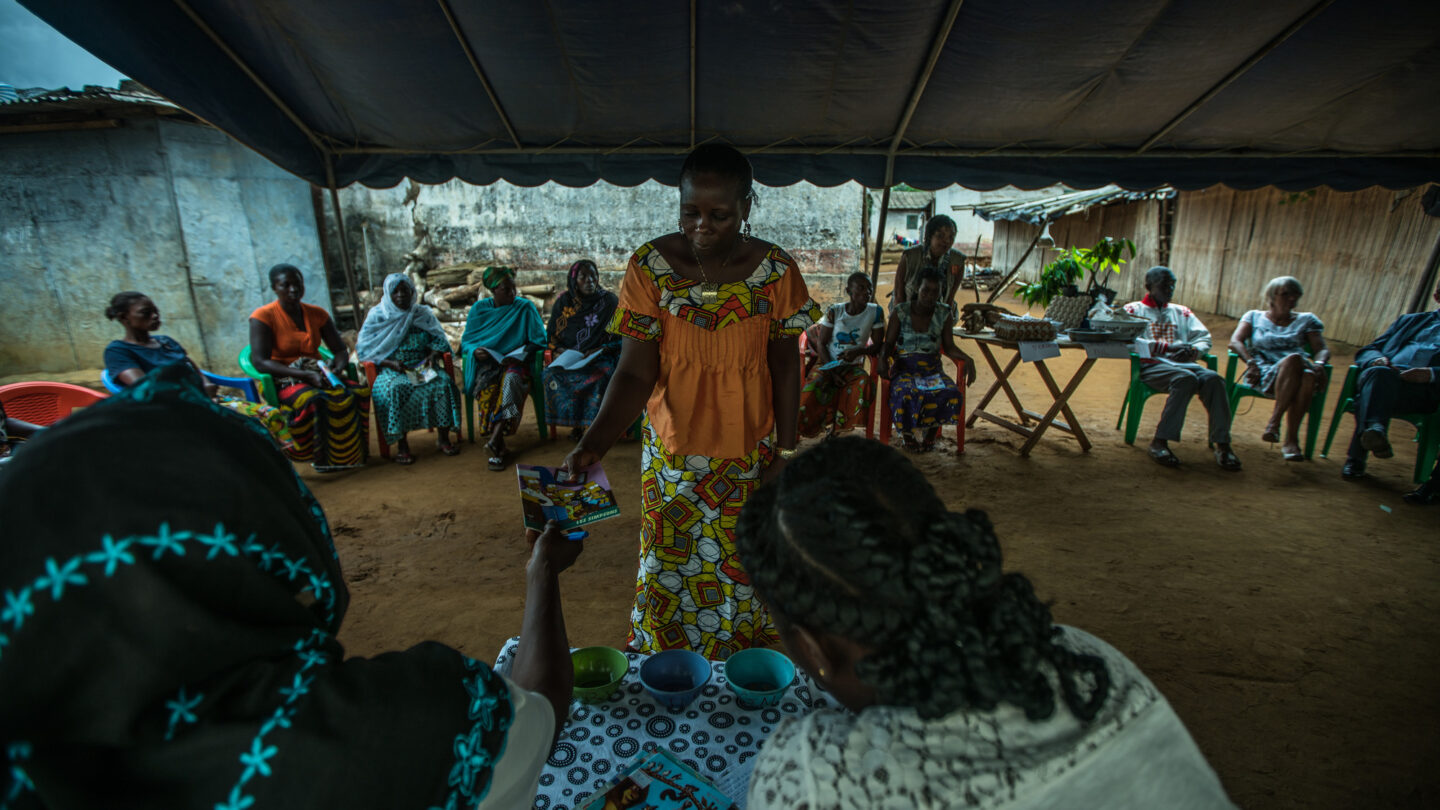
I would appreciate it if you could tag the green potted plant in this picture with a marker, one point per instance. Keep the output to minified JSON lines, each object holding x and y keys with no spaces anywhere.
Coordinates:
{"x":1061,"y":277}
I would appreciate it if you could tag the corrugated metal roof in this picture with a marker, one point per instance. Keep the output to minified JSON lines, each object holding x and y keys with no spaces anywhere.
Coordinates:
{"x":1052,"y":208}
{"x":905,"y":200}
{"x":92,"y":97}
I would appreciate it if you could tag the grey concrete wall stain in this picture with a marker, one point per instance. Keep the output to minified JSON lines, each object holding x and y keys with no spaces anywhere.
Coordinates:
{"x":542,"y":230}
{"x":86,"y":214}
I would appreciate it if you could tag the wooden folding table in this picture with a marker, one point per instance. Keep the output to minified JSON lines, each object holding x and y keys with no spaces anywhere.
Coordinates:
{"x":1032,"y":425}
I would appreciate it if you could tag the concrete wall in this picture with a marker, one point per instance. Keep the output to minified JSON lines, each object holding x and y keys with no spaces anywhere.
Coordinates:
{"x":176,"y":210}
{"x":542,"y":230}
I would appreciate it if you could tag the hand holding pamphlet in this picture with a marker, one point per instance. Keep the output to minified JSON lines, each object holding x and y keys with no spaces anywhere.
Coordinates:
{"x":583,"y":498}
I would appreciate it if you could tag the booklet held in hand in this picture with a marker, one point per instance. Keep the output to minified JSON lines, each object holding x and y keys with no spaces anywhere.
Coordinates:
{"x":578,"y":500}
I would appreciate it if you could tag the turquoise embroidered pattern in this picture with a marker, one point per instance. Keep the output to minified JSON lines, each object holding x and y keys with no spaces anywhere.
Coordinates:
{"x":19,"y":780}
{"x":490,"y":711}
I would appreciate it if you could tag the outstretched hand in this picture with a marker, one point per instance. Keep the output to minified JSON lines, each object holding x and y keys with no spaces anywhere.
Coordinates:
{"x":553,"y":548}
{"x":579,"y":459}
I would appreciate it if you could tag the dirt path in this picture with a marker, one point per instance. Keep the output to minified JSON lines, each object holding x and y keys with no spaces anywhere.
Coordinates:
{"x":1288,"y":615}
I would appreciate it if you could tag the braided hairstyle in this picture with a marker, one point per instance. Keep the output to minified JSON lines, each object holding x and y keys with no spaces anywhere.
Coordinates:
{"x":851,"y":540}
{"x":121,"y":303}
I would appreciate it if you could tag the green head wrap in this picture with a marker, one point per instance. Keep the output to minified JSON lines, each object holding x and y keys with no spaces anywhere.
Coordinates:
{"x":493,"y":276}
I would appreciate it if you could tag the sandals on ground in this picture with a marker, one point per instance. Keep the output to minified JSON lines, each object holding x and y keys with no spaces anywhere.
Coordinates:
{"x":402,"y":457}
{"x":449,"y":449}
{"x":496,"y":462}
{"x":1227,"y":460}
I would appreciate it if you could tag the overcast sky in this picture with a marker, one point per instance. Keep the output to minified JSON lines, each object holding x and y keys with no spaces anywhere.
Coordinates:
{"x":32,"y":54}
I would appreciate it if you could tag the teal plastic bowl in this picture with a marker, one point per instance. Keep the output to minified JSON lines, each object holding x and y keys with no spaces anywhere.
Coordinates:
{"x":598,"y":672}
{"x":758,"y":677}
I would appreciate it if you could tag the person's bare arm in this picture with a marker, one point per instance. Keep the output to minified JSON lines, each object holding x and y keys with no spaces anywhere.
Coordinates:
{"x":625,"y":398}
{"x":1237,"y":345}
{"x":947,"y":345}
{"x":892,"y":337}
{"x":783,"y":358}
{"x":262,"y":343}
{"x":824,"y":333}
{"x":542,"y":656}
{"x":336,"y":344}
{"x":129,"y":377}
{"x":1319,"y":349}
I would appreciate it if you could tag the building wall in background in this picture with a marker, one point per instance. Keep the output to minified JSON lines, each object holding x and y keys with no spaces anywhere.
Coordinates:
{"x":178,"y":211}
{"x":542,"y":230}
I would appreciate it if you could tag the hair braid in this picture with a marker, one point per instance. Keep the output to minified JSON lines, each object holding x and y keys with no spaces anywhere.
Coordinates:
{"x":852,"y":541}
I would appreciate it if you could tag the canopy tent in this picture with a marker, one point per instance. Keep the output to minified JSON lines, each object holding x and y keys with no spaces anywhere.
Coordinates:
{"x":1142,"y":93}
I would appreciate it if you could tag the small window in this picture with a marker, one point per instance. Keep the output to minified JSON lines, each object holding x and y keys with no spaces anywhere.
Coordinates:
{"x":912,"y":221}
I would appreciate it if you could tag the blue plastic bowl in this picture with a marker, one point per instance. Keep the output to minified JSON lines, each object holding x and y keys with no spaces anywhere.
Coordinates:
{"x":758,"y":677}
{"x":675,"y":677}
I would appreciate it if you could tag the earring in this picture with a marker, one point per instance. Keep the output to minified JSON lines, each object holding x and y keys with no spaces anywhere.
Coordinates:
{"x":822,"y":672}
{"x":745,"y":232}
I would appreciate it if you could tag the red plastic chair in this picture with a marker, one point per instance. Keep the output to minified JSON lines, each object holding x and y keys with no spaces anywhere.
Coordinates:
{"x":808,"y":359}
{"x":45,"y":403}
{"x":886,"y":427}
{"x":371,"y":370}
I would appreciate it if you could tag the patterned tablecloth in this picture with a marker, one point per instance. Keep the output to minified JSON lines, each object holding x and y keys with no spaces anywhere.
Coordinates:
{"x":713,"y":735}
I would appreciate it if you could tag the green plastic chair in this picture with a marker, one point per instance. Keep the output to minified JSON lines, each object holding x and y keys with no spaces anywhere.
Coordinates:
{"x":1239,"y":390}
{"x":1427,"y":428}
{"x":268,"y":392}
{"x":537,"y":395}
{"x":1137,"y":393}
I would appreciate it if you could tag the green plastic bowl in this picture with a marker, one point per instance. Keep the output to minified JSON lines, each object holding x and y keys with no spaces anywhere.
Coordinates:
{"x":598,"y":672}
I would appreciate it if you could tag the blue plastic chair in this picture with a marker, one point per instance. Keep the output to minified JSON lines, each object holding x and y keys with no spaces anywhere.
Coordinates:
{"x":244,"y":384}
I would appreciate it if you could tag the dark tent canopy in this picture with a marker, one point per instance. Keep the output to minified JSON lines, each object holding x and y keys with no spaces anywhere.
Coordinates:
{"x":1143,"y":93}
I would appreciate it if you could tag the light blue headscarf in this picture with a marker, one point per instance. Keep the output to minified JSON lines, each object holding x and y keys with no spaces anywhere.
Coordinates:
{"x":387,"y":324}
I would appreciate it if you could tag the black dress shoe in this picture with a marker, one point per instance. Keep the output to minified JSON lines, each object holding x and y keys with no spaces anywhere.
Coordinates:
{"x":1428,"y":494}
{"x":1354,"y":468}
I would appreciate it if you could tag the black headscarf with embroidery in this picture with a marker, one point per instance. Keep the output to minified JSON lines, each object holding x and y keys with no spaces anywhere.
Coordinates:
{"x":578,"y":322}
{"x":169,"y":599}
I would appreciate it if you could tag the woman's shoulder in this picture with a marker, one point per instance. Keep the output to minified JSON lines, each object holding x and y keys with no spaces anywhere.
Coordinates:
{"x":265,"y":311}
{"x":1310,"y":320}
{"x":168,"y":343}
{"x":321,"y":314}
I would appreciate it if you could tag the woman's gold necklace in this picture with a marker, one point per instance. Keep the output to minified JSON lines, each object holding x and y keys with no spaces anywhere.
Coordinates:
{"x":709,"y":290}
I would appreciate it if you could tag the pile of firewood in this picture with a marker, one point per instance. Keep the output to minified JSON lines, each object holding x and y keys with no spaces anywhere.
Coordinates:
{"x":450,"y":291}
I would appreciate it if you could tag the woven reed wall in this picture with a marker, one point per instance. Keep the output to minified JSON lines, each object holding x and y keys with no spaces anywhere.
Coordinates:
{"x":1359,"y":254}
{"x":1137,"y":221}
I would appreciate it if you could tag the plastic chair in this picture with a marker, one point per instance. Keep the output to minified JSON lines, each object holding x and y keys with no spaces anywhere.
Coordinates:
{"x":1239,"y":390}
{"x":45,"y":403}
{"x":371,"y":370}
{"x":246,"y":385}
{"x":537,"y":395}
{"x":1427,"y":428}
{"x":269,"y":394}
{"x":886,"y":428}
{"x":1138,"y":392}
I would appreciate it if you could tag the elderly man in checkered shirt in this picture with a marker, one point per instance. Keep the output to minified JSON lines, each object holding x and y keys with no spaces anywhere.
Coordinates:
{"x":1174,"y":343}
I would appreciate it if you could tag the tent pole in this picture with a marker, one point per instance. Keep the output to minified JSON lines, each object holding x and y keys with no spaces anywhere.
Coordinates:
{"x":479,"y":72}
{"x":1236,"y":73}
{"x":879,"y":238}
{"x":357,"y":315}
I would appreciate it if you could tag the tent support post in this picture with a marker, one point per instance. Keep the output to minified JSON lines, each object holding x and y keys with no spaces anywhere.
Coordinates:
{"x":357,"y":315}
{"x":879,"y":238}
{"x":479,"y":72}
{"x":1236,"y":73}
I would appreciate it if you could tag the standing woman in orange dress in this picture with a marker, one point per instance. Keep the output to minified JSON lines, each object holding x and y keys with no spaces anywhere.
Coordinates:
{"x":711,"y":318}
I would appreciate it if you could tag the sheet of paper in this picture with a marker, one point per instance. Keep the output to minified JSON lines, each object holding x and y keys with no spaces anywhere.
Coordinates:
{"x":1110,"y":348}
{"x":1142,"y":348}
{"x":1032,"y":350}
{"x":833,"y":364}
{"x":571,"y":360}
{"x":518,"y":354}
{"x":735,"y":781}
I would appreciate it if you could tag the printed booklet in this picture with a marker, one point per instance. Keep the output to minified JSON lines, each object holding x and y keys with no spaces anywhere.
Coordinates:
{"x":583,"y":498}
{"x":660,"y":781}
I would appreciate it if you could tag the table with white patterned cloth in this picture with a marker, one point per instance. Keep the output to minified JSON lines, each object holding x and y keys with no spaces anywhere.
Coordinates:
{"x":711,"y":735}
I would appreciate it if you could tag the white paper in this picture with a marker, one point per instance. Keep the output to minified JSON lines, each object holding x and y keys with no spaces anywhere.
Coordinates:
{"x":422,"y":375}
{"x":735,"y":781}
{"x":1110,"y":348}
{"x":571,"y":359}
{"x":1032,"y":350}
{"x":518,"y":354}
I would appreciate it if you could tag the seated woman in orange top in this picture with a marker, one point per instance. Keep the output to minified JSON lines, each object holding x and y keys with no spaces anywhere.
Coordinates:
{"x":710,"y":319}
{"x":329,"y":418}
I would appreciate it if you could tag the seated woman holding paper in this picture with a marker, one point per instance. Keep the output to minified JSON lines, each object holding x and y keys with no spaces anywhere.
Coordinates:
{"x":501,"y":333}
{"x":583,"y":353}
{"x":190,"y":639}
{"x":329,"y":418}
{"x":838,"y":391}
{"x":923,"y":397}
{"x":404,"y":339}
{"x":959,"y":686}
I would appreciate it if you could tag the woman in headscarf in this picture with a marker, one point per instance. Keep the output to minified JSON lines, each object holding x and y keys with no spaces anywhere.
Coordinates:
{"x":959,"y":688}
{"x":501,"y":334}
{"x":711,"y":319}
{"x":583,"y":353}
{"x":329,"y":418}
{"x":138,"y":353}
{"x":174,"y":645}
{"x":405,"y":341}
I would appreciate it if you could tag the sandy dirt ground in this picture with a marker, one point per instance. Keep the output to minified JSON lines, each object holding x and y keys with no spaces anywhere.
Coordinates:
{"x":1290,"y":616}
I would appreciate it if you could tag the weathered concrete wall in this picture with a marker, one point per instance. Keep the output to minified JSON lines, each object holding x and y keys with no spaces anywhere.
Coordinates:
{"x":542,"y":230}
{"x":178,"y":211}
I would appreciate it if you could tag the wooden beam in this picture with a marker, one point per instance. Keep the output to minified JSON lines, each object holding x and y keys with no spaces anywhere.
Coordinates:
{"x":879,"y":240}
{"x":344,"y":249}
